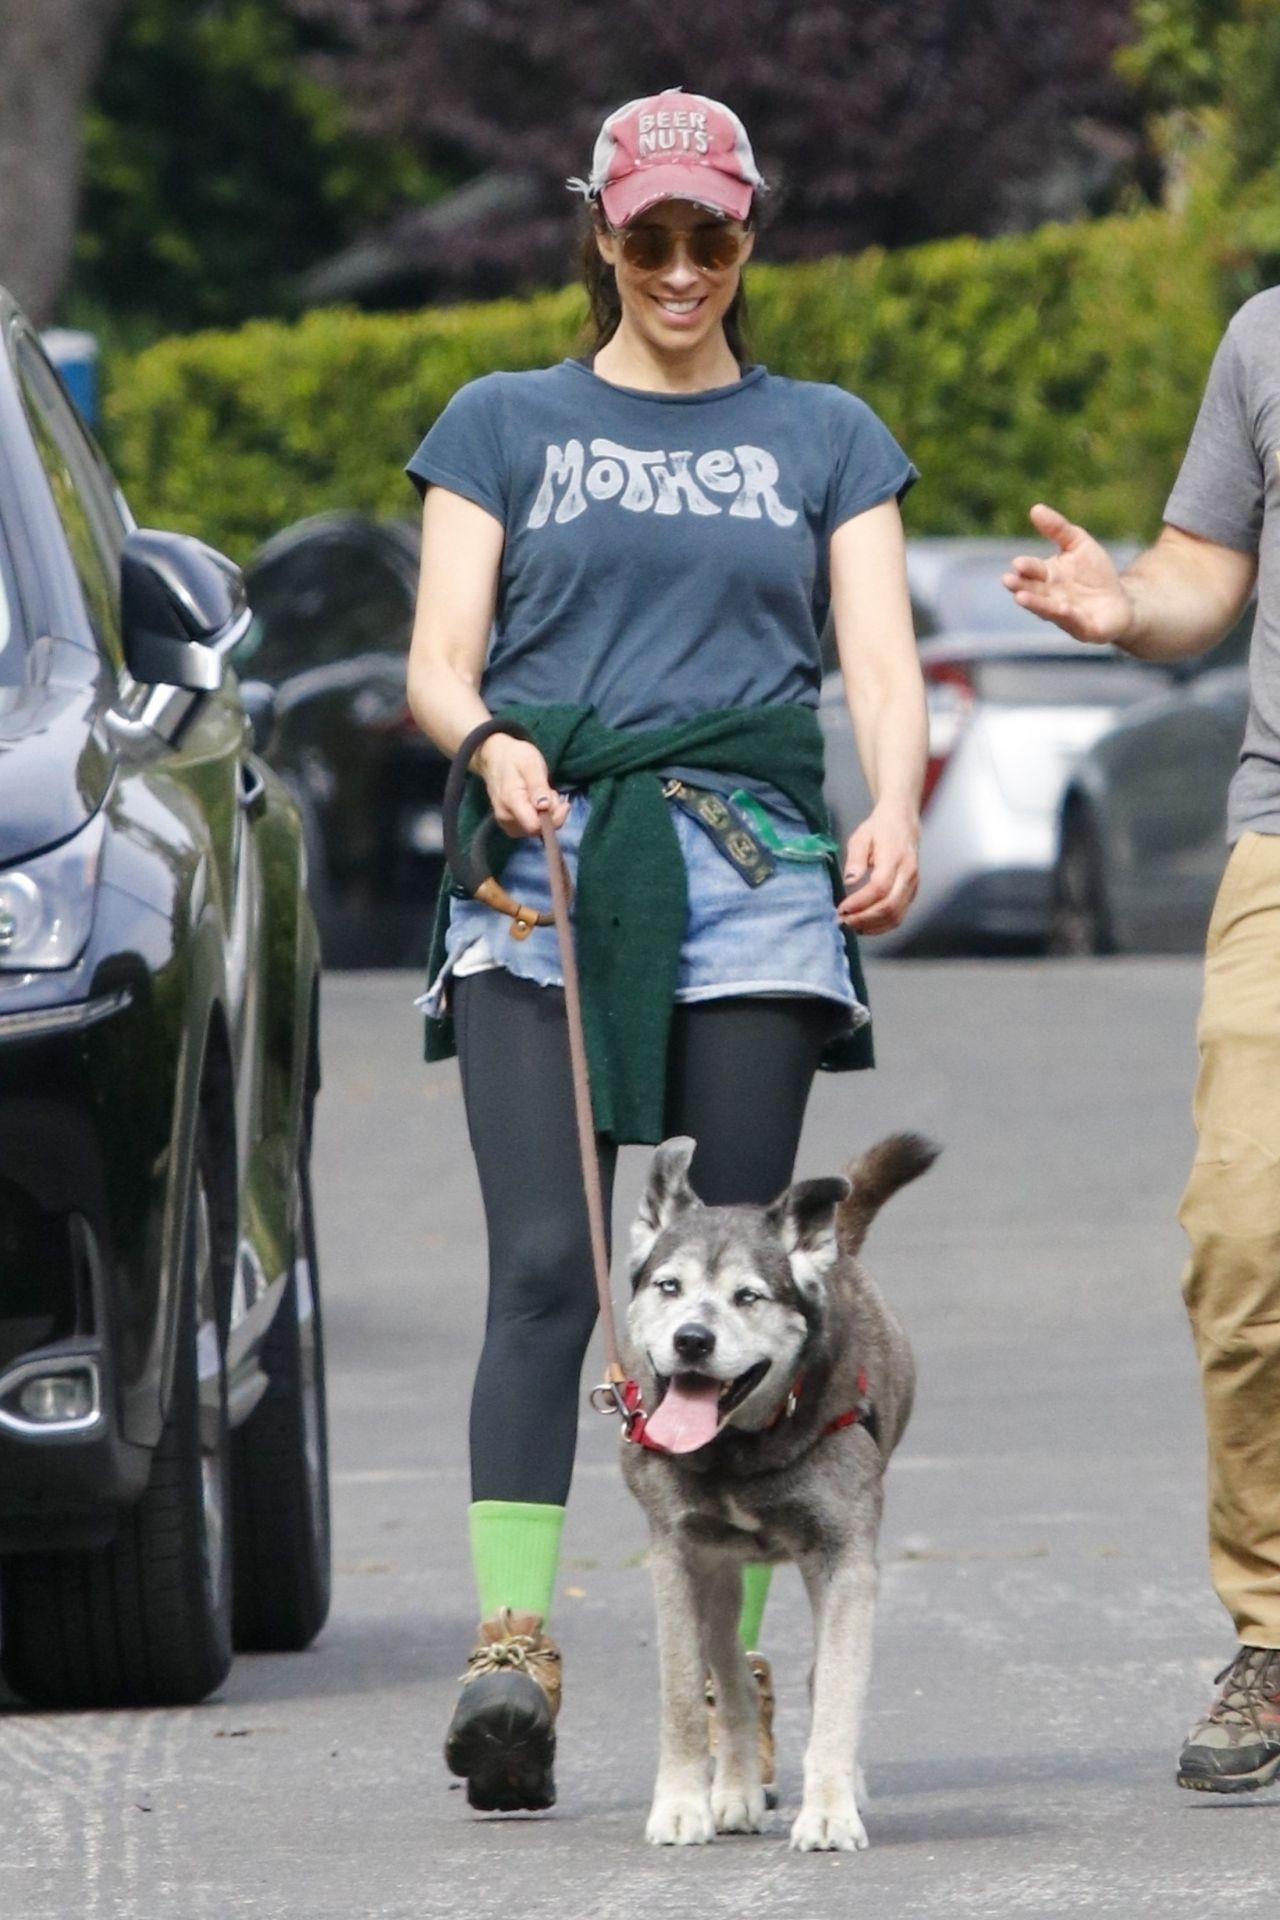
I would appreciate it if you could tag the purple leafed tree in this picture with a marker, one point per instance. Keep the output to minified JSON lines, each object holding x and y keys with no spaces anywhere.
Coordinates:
{"x":877,"y":120}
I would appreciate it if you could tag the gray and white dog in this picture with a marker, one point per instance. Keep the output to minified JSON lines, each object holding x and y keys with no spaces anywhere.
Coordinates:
{"x":777,"y":1383}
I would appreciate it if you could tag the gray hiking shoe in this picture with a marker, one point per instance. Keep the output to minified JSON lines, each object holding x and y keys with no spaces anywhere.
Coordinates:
{"x":1236,"y":1747}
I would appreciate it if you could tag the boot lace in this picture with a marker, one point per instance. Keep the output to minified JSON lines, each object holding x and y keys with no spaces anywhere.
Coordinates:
{"x":1253,"y":1681}
{"x":517,"y":1653}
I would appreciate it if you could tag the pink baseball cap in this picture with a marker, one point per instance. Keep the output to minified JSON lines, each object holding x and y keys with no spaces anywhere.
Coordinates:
{"x":672,"y":146}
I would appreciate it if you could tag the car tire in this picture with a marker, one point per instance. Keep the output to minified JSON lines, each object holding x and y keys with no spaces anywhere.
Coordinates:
{"x":146,"y":1620}
{"x":280,"y":1463}
{"x":1079,"y":912}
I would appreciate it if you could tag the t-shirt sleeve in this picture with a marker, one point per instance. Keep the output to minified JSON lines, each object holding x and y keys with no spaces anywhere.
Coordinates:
{"x":868,"y":465}
{"x":1220,"y":489}
{"x":464,"y":450}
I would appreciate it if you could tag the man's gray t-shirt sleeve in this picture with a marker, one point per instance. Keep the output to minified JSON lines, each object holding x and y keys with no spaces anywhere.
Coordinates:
{"x":1219,"y":491}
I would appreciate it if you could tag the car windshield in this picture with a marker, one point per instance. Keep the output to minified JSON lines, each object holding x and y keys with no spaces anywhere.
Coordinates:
{"x":971,"y":599}
{"x":12,"y":651}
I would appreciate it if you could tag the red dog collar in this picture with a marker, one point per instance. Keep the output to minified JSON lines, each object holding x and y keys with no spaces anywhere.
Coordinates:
{"x":861,"y":1414}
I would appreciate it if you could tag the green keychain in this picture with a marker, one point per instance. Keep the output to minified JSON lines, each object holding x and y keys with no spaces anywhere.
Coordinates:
{"x":744,"y":832}
{"x":812,"y":848}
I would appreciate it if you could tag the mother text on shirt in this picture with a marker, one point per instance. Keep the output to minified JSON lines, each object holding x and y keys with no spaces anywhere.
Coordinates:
{"x":744,"y":479}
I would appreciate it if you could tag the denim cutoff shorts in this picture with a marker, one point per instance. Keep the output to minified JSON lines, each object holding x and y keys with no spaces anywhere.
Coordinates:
{"x":778,"y":938}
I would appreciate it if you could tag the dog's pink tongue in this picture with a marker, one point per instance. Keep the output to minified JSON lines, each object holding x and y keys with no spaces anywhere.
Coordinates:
{"x":686,"y":1418}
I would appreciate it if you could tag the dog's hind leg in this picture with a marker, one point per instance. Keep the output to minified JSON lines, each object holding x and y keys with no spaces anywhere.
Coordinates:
{"x":681,"y":1813}
{"x":843,"y":1598}
{"x":737,"y":1795}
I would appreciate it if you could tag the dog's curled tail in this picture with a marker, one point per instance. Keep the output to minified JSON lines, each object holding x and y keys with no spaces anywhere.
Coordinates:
{"x":880,"y":1171}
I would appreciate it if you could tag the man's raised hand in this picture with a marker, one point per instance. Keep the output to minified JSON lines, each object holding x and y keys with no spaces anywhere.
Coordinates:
{"x":1079,"y":587}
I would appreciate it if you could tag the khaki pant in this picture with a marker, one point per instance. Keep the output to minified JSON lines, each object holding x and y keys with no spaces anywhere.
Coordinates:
{"x":1231,"y":1213}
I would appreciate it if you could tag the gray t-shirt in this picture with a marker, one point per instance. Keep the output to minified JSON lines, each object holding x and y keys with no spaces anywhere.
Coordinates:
{"x":1229,"y":491}
{"x":666,"y":554}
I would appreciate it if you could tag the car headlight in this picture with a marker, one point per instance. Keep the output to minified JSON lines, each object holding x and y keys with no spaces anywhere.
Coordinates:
{"x":46,"y":904}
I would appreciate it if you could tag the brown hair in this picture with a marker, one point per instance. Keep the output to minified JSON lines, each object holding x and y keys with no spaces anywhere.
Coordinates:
{"x":605,"y":308}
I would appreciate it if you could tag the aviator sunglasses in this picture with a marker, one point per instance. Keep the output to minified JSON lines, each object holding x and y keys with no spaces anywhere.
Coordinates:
{"x":711,"y":248}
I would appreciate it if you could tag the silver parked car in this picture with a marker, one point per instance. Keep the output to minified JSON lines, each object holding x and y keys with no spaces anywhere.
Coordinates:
{"x":1142,"y":834}
{"x":1013,"y":703}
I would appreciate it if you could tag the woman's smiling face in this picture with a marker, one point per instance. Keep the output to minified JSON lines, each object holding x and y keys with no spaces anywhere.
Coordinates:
{"x":678,"y":306}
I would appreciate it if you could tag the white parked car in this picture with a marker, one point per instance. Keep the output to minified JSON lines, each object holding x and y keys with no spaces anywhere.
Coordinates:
{"x":1013,"y":704}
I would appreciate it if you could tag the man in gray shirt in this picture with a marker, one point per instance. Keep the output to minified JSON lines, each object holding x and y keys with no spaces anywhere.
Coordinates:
{"x":1221,"y":534}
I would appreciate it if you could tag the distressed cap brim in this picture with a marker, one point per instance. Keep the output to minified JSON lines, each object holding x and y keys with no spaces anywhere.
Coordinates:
{"x":645,"y":186}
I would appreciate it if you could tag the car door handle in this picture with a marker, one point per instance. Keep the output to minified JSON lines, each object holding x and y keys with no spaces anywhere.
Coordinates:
{"x":253,"y":789}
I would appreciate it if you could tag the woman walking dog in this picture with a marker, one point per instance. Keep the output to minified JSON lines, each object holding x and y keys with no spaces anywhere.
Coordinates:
{"x":633,"y":556}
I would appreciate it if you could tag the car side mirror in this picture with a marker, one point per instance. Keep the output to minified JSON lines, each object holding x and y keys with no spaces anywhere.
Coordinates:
{"x":182,"y":609}
{"x":258,"y":698}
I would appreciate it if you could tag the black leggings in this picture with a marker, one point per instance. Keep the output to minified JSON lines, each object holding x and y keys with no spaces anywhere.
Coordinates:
{"x":738,"y":1079}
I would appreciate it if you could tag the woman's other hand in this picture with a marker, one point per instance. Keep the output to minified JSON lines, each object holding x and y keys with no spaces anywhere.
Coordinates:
{"x":1078,"y":588}
{"x":520,"y":789}
{"x":881,"y":870}
{"x":885,"y":692}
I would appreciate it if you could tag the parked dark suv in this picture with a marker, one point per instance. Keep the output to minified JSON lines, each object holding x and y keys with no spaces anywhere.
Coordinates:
{"x":163,"y":1472}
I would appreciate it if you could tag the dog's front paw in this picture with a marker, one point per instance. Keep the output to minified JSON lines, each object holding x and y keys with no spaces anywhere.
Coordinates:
{"x":737,"y":1807}
{"x":829,"y":1825}
{"x":680,"y":1820}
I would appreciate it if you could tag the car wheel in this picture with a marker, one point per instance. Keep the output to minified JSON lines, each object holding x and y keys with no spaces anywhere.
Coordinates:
{"x":280,"y":1463}
{"x":146,"y":1620}
{"x":1079,"y":914}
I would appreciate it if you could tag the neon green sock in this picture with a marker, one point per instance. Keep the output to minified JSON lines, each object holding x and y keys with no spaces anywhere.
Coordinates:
{"x":755,"y":1591}
{"x":515,"y":1550}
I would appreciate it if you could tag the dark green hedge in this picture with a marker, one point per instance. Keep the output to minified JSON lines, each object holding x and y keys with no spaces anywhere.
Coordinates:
{"x":1064,"y":364}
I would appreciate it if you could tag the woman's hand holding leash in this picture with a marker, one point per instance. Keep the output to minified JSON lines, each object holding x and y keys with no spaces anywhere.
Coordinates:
{"x":520,"y":788}
{"x":881,"y":869}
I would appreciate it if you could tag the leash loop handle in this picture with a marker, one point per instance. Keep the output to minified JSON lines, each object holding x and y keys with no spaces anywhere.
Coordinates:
{"x":470,"y":869}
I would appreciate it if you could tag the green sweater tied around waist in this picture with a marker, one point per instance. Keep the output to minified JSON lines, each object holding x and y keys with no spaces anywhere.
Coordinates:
{"x":631,"y":897}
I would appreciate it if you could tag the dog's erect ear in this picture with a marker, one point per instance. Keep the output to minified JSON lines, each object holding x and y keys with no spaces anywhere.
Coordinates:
{"x":804,"y":1219}
{"x":667,"y":1194}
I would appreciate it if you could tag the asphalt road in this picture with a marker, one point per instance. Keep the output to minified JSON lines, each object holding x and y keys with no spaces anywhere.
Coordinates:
{"x":1046,"y":1630}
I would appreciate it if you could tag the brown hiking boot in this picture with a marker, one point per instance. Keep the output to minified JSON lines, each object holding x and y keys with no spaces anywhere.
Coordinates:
{"x":1236,"y":1747}
{"x":762,"y":1674}
{"x":502,"y":1737}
